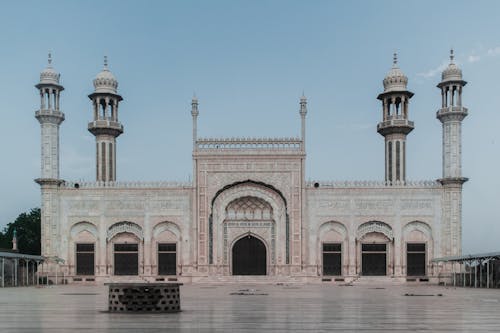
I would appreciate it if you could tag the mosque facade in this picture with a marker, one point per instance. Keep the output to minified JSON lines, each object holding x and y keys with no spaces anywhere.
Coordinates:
{"x":249,"y":210}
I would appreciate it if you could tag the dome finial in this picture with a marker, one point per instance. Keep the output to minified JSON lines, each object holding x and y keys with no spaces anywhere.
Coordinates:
{"x":394,"y":59}
{"x":50,"y":59}
{"x":105,"y":62}
{"x":452,"y":56}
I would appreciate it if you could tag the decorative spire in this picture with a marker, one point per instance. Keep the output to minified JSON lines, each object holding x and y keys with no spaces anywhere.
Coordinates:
{"x":395,"y":60}
{"x":452,"y":56}
{"x":194,"y":105}
{"x":50,"y":59}
{"x":303,"y":104}
{"x":105,"y":62}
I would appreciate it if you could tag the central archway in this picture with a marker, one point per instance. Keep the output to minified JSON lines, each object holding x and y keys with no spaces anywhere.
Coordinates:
{"x":249,"y":256}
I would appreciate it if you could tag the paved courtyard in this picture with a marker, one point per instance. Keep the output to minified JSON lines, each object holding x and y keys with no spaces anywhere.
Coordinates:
{"x":259,"y":308}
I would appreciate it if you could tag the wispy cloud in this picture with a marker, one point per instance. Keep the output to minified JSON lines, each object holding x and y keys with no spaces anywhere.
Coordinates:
{"x":494,"y":51}
{"x":473,"y":57}
{"x":434,"y":71}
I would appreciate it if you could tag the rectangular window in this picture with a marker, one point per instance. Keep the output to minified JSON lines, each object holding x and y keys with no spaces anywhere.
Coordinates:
{"x":126,"y":259}
{"x":415,"y":259}
{"x":373,"y":259}
{"x":167,"y":259}
{"x":85,"y":259}
{"x":332,"y":259}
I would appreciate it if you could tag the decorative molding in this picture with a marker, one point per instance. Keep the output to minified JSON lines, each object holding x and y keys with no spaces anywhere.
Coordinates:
{"x":249,"y":143}
{"x":121,"y":185}
{"x":83,"y":226}
{"x":333,"y":226}
{"x":129,"y":227}
{"x":375,"y":226}
{"x":373,"y":184}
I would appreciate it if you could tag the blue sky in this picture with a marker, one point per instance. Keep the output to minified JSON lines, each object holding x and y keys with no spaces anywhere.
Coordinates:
{"x":248,"y":62}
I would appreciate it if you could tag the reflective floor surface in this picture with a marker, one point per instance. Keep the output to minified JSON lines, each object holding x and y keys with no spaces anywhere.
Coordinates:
{"x":259,"y":308}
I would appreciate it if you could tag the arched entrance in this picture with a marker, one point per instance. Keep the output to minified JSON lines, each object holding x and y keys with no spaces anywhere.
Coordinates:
{"x":249,"y":256}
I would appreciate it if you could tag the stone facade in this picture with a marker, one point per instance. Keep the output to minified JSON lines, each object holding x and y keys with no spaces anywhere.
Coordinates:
{"x":254,"y":189}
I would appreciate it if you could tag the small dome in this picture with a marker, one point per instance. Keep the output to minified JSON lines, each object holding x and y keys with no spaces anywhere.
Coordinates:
{"x":452,"y":72}
{"x":105,"y":81}
{"x":49,"y":75}
{"x":395,"y":80}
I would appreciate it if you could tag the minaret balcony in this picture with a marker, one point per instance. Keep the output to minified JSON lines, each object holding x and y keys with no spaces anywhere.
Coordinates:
{"x":395,"y":124}
{"x":105,"y":126}
{"x":450,"y":113}
{"x":49,"y":116}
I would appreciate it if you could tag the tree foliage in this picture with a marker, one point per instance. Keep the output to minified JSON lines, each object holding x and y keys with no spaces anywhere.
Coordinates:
{"x":27,"y":226}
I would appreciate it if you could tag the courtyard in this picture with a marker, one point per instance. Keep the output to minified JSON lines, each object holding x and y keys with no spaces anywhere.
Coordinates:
{"x":259,"y":308}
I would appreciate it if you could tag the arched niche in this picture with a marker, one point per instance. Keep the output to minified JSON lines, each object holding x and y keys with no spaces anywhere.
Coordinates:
{"x":83,"y":232}
{"x":370,"y":234}
{"x":165,"y":233}
{"x":332,"y":232}
{"x":413,"y":233}
{"x":248,"y":207}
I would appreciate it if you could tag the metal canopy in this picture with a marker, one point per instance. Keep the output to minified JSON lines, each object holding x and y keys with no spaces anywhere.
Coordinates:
{"x":21,"y":256}
{"x":468,"y":257}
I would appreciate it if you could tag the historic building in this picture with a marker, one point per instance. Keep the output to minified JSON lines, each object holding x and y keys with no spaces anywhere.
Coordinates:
{"x":248,"y":209}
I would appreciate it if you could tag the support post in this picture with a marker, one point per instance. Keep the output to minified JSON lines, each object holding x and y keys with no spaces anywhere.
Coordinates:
{"x":480,"y":273}
{"x":453,"y":272}
{"x":475,"y":275}
{"x":488,"y":274}
{"x":33,"y":274}
{"x":15,"y":272}
{"x":3,"y":272}
{"x":37,"y":273}
{"x":470,"y":274}
{"x":57,"y":268}
{"x":463,"y":274}
{"x":27,"y":273}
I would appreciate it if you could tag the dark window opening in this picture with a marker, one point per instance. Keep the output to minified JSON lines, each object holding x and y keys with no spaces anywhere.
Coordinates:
{"x":84,"y":259}
{"x":167,"y":259}
{"x":374,"y":259}
{"x":332,"y":259}
{"x":126,"y":259}
{"x":415,"y":259}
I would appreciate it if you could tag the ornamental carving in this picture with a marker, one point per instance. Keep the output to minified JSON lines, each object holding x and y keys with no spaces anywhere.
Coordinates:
{"x":121,"y":227}
{"x":374,"y":226}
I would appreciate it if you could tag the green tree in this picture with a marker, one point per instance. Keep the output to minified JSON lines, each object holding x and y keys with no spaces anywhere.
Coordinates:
{"x":27,"y":226}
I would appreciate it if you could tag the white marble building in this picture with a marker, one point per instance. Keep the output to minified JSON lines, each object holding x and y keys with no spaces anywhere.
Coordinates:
{"x":249,"y":210}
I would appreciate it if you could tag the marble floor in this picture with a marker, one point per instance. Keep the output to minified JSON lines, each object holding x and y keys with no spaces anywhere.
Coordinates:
{"x":259,"y":308}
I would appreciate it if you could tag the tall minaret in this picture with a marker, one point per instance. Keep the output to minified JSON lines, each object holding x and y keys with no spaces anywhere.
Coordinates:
{"x":105,"y":126}
{"x":50,"y":117}
{"x":395,"y":124}
{"x":451,"y":115}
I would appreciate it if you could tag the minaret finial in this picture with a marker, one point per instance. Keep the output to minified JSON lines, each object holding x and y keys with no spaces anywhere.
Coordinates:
{"x":452,"y":56}
{"x":50,"y":59}
{"x":303,"y":95}
{"x":105,"y":62}
{"x":394,"y":59}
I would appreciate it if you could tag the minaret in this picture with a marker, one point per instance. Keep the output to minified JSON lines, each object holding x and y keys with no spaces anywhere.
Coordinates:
{"x":14,"y":241}
{"x":303,"y":113}
{"x":451,"y":115}
{"x":194,"y":113}
{"x":105,"y":126}
{"x":50,"y":117}
{"x":395,"y":124}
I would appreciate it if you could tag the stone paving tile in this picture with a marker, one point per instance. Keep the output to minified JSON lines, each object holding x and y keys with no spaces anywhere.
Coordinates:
{"x":304,"y":308}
